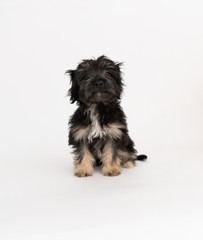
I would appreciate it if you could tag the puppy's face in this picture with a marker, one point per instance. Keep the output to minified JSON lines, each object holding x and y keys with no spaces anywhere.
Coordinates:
{"x":96,"y":81}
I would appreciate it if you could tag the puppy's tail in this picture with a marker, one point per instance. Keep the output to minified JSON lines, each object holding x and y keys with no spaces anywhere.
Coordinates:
{"x":141,"y":157}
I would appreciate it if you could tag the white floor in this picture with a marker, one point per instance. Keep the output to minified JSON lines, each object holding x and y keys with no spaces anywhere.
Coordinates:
{"x":161,"y":198}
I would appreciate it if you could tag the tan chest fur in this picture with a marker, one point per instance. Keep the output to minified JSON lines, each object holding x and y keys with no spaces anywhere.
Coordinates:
{"x":94,"y":130}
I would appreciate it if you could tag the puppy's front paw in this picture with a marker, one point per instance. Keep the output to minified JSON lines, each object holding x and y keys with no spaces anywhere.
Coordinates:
{"x":83,"y":172}
{"x":114,"y":171}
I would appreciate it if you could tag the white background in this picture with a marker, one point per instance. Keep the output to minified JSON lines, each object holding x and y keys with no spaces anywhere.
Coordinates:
{"x":161,"y":44}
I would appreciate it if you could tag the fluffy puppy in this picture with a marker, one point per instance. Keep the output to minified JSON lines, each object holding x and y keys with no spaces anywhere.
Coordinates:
{"x":98,"y":129}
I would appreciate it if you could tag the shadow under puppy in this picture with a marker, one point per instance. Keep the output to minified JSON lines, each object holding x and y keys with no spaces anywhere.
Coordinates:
{"x":98,"y":129}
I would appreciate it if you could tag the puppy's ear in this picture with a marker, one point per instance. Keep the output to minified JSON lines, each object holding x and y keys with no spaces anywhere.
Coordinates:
{"x":73,"y":91}
{"x":118,"y":66}
{"x":119,"y":79}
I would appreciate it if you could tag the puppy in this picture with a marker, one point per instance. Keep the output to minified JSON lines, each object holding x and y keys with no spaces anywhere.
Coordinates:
{"x":98,"y":129}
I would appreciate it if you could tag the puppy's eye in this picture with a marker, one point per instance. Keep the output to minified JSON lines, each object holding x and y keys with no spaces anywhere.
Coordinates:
{"x":108,"y":74}
{"x":85,"y":77}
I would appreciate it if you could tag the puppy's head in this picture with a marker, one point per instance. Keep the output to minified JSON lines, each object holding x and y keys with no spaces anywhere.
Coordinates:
{"x":96,"y":80}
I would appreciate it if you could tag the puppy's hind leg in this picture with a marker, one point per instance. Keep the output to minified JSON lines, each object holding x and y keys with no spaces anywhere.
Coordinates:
{"x":127,"y":159}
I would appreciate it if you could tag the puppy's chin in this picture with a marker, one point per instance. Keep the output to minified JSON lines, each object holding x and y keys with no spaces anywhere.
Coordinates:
{"x":101,"y":96}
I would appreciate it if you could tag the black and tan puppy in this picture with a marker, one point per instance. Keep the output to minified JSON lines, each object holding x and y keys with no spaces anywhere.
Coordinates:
{"x":98,"y":128}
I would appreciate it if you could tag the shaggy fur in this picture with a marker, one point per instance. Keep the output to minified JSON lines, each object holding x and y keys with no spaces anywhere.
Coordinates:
{"x":98,"y":128}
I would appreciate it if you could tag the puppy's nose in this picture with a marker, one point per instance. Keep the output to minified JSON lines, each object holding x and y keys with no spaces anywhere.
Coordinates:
{"x":99,"y":83}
